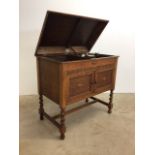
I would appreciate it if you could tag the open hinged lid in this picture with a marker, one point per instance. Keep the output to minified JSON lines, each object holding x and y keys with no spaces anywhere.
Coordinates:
{"x":63,"y":32}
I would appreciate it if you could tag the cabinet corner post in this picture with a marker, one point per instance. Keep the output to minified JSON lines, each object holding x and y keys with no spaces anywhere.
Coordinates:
{"x":110,"y":106}
{"x":62,"y":122}
{"x":41,"y":108}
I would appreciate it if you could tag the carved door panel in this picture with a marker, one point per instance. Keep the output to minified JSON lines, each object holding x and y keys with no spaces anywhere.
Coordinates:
{"x":80,"y":86}
{"x":103,"y":79}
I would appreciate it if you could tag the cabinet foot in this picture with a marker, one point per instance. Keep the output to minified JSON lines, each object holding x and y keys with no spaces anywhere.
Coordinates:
{"x":110,"y":111}
{"x":87,"y":100}
{"x":62,"y":136}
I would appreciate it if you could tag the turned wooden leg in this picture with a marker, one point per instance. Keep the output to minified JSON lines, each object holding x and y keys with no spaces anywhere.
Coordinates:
{"x":87,"y":100}
{"x":110,"y":102}
{"x":62,"y":124}
{"x":41,"y":108}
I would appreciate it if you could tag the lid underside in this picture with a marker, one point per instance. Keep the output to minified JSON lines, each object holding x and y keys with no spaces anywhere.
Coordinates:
{"x":64,"y":31}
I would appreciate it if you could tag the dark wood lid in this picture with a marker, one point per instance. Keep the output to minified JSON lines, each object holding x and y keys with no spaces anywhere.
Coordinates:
{"x":65,"y":30}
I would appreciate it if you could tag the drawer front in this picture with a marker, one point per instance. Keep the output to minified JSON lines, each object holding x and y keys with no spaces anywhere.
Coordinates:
{"x":79,"y":85}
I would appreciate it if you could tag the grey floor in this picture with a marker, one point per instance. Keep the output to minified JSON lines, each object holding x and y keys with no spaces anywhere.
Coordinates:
{"x":90,"y":131}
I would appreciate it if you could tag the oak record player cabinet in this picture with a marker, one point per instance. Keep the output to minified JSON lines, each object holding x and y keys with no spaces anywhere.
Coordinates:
{"x":67,"y":72}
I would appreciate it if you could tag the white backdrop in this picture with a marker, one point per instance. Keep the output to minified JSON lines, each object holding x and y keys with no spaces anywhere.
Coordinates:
{"x":117,"y":38}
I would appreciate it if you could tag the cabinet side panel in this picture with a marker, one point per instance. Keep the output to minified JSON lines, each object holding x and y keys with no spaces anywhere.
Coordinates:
{"x":48,"y":79}
{"x":38,"y":76}
{"x":114,"y":73}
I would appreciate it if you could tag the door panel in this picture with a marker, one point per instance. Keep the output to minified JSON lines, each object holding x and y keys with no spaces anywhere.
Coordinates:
{"x":80,"y":85}
{"x":103,"y":78}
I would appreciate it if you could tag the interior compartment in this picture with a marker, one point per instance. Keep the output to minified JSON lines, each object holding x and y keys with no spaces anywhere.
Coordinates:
{"x":71,"y":57}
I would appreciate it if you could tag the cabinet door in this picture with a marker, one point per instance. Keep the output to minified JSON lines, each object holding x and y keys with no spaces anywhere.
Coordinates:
{"x":103,"y":80}
{"x":80,"y":86}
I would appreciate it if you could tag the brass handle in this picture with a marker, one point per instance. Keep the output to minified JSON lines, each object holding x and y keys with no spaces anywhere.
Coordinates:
{"x":104,"y":78}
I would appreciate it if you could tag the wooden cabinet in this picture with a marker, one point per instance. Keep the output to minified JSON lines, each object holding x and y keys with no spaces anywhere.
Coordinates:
{"x":67,"y":72}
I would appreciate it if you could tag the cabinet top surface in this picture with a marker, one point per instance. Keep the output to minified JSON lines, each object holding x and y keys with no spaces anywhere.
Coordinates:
{"x":66,"y":30}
